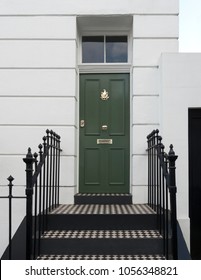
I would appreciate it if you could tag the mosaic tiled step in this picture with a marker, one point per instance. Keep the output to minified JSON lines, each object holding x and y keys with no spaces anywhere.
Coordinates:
{"x":86,"y":234}
{"x":90,"y":209}
{"x":101,"y":242}
{"x":87,"y":198}
{"x":101,"y":257}
{"x":102,"y":216}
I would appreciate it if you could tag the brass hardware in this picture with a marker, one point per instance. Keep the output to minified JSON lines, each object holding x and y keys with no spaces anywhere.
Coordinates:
{"x":104,"y":95}
{"x":105,"y":141}
{"x":104,"y":127}
{"x":82,"y":123}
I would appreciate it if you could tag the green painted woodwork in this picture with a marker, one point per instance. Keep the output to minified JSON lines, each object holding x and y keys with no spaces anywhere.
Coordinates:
{"x":104,"y":168}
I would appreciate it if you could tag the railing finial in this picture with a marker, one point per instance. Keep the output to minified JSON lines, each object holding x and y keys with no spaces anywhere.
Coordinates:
{"x":10,"y":179}
{"x":10,"y":196}
{"x":29,"y":154}
{"x":162,"y":189}
{"x":171,"y":156}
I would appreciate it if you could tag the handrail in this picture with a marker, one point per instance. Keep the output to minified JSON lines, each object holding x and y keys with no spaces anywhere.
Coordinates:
{"x":44,"y":184}
{"x":162,"y":191}
{"x":10,"y":198}
{"x":41,"y":193}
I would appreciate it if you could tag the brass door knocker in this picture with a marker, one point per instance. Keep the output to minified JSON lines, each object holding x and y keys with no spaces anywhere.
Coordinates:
{"x":104,"y":95}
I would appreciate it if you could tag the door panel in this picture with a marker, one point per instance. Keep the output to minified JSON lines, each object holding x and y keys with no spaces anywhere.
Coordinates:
{"x":91,"y":107}
{"x":104,"y":137}
{"x":92,"y":162}
{"x":116,"y":167}
{"x":117,"y":108}
{"x":195,"y":181}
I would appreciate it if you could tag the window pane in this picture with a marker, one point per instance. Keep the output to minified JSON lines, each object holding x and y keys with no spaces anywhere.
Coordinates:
{"x":116,"y":49}
{"x":92,"y":49}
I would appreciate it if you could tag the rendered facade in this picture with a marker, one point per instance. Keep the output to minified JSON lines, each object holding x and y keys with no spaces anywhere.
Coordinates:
{"x":45,"y":71}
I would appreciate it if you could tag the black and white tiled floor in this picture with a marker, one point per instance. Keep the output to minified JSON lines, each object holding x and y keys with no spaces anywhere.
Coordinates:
{"x":102,"y":194}
{"x":104,"y":234}
{"x":98,"y":234}
{"x":103,"y":209}
{"x":101,"y":257}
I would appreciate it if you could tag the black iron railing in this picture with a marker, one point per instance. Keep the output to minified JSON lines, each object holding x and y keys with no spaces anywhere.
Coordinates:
{"x":10,"y":198}
{"x":162,"y":191}
{"x":42,"y":192}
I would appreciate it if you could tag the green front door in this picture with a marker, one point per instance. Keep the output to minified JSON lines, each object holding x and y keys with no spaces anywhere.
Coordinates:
{"x":104,"y":133}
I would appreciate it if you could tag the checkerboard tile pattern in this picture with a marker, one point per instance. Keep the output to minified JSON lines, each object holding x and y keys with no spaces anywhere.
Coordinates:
{"x":103,"y":209}
{"x":98,"y":234}
{"x":101,"y":257}
{"x":102,"y":194}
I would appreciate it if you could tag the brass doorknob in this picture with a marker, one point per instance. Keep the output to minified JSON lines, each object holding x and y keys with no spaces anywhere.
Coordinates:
{"x":104,"y":127}
{"x":82,"y":123}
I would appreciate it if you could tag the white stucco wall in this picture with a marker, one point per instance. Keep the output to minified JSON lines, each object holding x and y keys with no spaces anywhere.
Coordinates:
{"x":38,"y":90}
{"x":39,"y":73}
{"x":70,"y":7}
{"x":180,"y":87}
{"x":152,"y":35}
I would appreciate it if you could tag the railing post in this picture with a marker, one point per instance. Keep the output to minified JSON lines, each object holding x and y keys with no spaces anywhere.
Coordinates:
{"x":29,"y":201}
{"x":40,"y":200}
{"x":50,"y":170}
{"x":47,"y":169}
{"x":10,"y":185}
{"x":35,"y":209}
{"x":58,"y":174}
{"x":148,"y":167}
{"x":172,"y":189}
{"x":45,"y":187}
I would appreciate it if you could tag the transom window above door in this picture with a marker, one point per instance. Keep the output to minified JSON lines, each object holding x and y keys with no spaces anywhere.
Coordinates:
{"x":104,"y":49}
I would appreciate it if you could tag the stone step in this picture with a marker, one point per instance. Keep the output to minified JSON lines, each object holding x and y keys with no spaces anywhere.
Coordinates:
{"x":86,"y":198}
{"x":100,"y":209}
{"x":101,"y":242}
{"x":102,"y":216}
{"x":100,"y":234}
{"x":101,"y":257}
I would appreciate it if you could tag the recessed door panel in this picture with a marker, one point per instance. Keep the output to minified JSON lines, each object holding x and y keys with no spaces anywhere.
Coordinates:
{"x":92,"y":166}
{"x":91,"y":107}
{"x":116,"y":167}
{"x":117,"y":108}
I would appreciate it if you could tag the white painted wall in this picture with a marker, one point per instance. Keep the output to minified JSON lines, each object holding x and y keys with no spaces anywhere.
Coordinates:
{"x":152,"y":35}
{"x":180,"y":89}
{"x":98,"y":7}
{"x":156,"y":26}
{"x":39,"y":43}
{"x":37,"y":27}
{"x":38,"y":84}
